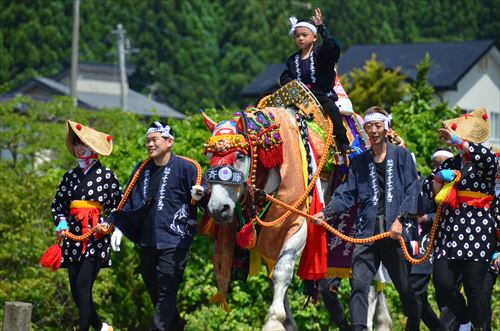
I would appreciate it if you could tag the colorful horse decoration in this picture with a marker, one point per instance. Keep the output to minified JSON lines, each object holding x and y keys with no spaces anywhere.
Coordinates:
{"x":279,"y":148}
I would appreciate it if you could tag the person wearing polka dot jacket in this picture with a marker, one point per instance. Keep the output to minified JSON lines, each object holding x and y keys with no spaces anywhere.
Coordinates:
{"x":465,"y":239}
{"x":84,"y":198}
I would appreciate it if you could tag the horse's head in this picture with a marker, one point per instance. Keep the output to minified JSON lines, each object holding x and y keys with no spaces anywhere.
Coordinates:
{"x":228,"y":154}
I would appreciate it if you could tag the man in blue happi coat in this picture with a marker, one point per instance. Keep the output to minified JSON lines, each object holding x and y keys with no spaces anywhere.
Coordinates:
{"x":160,"y":218}
{"x":379,"y":179}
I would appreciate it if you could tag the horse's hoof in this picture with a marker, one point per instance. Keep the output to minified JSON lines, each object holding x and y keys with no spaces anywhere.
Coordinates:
{"x":273,"y":325}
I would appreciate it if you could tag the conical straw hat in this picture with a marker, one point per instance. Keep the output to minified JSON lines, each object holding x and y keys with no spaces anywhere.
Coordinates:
{"x":473,"y":127}
{"x":99,"y":142}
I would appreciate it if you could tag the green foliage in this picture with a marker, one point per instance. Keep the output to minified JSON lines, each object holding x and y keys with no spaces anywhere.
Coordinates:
{"x":374,"y":86}
{"x":418,"y":118}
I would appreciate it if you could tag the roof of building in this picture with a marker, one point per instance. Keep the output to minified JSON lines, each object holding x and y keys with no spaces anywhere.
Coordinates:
{"x":91,"y":67}
{"x":450,"y":60}
{"x":266,"y":81}
{"x":137,"y":102}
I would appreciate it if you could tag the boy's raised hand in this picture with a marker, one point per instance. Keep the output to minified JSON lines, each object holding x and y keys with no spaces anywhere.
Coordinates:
{"x":318,"y":17}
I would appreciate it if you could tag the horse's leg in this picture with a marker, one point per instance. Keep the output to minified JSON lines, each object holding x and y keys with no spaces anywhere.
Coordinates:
{"x":289,"y":322}
{"x":282,"y":276}
{"x":383,"y":321}
{"x":372,"y":304}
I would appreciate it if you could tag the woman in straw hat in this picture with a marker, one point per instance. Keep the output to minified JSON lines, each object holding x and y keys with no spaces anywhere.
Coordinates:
{"x":84,"y":195}
{"x":465,"y":239}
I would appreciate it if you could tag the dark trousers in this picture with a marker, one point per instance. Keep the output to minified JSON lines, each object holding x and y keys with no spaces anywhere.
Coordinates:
{"x":448,"y":320}
{"x":329,"y":288}
{"x":333,"y":112}
{"x":489,"y":283}
{"x":419,"y":283}
{"x":365,"y":263}
{"x":81,"y":279}
{"x":162,"y":271}
{"x":445,"y":275}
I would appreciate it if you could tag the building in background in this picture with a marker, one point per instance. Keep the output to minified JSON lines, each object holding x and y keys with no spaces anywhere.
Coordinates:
{"x":98,"y":87}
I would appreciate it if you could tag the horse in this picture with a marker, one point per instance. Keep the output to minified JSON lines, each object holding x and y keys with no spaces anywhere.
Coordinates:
{"x":224,"y":198}
{"x":260,"y":148}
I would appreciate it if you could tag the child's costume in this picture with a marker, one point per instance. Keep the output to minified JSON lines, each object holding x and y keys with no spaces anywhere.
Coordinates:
{"x":317,"y":72}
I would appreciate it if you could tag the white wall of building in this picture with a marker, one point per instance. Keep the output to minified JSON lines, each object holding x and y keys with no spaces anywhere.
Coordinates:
{"x":480,"y":87}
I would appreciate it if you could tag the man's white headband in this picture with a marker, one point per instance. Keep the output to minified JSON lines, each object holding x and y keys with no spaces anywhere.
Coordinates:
{"x":377,"y":117}
{"x":166,"y":131}
{"x":442,"y":153}
{"x":295,"y":25}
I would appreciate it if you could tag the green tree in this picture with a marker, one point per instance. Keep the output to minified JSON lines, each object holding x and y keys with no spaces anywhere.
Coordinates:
{"x":374,"y":85}
{"x":418,"y":119}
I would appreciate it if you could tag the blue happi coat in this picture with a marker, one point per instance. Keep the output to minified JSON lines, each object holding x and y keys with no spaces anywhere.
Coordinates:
{"x":362,"y":188}
{"x":176,"y":219}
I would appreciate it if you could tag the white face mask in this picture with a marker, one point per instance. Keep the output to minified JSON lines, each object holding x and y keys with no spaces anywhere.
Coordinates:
{"x":85,"y":156}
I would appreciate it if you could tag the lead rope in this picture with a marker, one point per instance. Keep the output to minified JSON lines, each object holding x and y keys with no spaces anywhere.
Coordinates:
{"x":373,"y":238}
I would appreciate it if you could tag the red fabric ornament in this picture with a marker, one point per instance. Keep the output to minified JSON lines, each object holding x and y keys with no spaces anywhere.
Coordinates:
{"x":454,"y":126}
{"x":227,"y":159}
{"x":108,"y":138}
{"x":78,"y":127}
{"x":270,"y":158}
{"x":313,"y":262}
{"x":485,"y":117}
{"x":52,"y":257}
{"x":247,"y":237}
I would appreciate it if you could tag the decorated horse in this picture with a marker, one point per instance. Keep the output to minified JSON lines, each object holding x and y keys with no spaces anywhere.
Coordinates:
{"x":279,"y":148}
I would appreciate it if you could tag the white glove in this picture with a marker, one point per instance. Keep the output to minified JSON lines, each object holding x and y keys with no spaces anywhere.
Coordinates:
{"x":116,"y":239}
{"x":197,"y":192}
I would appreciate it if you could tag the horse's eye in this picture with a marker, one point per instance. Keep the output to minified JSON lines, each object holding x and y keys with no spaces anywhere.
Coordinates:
{"x":240,"y":156}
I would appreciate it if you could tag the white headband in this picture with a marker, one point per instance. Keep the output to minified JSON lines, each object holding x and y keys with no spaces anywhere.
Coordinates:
{"x":295,"y":25}
{"x":166,"y":131}
{"x":441,"y":153}
{"x":377,"y":117}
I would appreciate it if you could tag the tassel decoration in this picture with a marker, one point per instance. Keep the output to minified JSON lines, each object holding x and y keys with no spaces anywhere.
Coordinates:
{"x":52,"y":257}
{"x":270,"y":158}
{"x":246,"y":238}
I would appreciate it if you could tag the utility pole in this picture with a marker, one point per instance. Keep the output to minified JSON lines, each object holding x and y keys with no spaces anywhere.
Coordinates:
{"x":123,"y":74}
{"x":74,"y":50}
